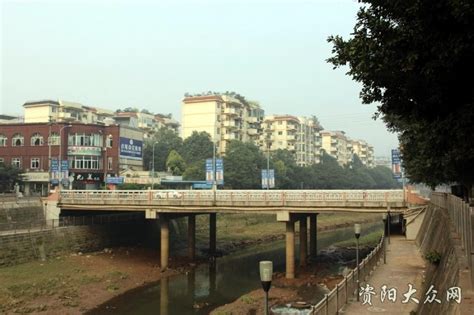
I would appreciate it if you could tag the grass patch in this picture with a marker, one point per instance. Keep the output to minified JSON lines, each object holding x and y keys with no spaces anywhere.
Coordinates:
{"x":371,"y":239}
{"x":247,"y":299}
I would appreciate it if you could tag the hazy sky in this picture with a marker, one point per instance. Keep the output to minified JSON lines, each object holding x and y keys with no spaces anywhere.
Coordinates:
{"x":147,"y":54}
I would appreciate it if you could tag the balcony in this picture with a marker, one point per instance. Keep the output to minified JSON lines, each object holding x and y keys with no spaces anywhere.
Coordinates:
{"x":252,"y":131}
{"x":333,"y":141}
{"x":230,"y":111}
{"x":229,"y":136}
{"x":290,"y":127}
{"x":291,"y":138}
{"x":230,"y":124}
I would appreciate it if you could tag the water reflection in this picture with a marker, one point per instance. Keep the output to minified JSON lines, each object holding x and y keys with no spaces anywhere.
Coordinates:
{"x":219,"y":282}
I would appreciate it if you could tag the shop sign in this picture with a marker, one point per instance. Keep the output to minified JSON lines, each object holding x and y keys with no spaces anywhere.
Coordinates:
{"x":131,"y":148}
{"x":36,"y":177}
{"x":80,"y":150}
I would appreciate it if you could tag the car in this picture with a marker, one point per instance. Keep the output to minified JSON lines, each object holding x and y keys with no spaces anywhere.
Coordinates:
{"x":168,"y":194}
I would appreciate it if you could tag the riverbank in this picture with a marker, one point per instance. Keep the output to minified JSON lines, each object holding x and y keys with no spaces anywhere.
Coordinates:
{"x":76,"y":283}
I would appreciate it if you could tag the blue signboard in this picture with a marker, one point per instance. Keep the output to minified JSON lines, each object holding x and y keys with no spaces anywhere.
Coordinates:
{"x":268,"y":179}
{"x":54,"y":165}
{"x":131,"y":148}
{"x":64,"y":165}
{"x":114,"y":180}
{"x":202,"y":186}
{"x":209,"y":172}
{"x":220,"y":171}
{"x":396,"y":164}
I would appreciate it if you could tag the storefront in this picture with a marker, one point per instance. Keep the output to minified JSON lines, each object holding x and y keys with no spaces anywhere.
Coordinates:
{"x":36,"y":183}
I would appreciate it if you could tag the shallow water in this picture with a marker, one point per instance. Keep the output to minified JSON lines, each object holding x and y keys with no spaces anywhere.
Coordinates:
{"x":211,"y":285}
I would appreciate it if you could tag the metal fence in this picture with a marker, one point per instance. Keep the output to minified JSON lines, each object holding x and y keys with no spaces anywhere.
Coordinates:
{"x":461,"y":215}
{"x":40,"y":225}
{"x":347,"y":288}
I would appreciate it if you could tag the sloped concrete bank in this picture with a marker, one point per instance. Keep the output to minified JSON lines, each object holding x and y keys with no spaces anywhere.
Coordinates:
{"x":437,"y":235}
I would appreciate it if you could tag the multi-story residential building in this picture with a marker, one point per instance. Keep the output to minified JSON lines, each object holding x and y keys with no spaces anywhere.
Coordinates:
{"x":64,"y":111}
{"x":364,"y":151}
{"x":162,"y":121}
{"x":224,"y":117}
{"x":336,"y":144}
{"x":91,"y":152}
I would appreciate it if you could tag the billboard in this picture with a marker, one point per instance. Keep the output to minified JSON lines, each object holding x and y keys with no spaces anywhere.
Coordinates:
{"x":268,"y":179}
{"x":131,"y":148}
{"x":396,"y":164}
{"x":219,"y":170}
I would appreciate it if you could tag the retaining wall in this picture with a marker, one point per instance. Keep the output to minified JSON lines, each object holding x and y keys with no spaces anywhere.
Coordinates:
{"x":20,"y":209}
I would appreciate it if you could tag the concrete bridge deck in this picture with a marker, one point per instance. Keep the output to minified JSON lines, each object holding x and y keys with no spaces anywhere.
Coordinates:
{"x":235,"y":201}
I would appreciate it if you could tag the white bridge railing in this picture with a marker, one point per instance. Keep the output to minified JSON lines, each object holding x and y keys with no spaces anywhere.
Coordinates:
{"x":231,"y":197}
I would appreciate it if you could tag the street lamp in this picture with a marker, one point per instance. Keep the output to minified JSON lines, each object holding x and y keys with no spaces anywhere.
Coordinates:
{"x":106,"y":162}
{"x":384,"y":218}
{"x":60,"y":151}
{"x":268,"y":165}
{"x":49,"y":154}
{"x":357,"y":235}
{"x":153,"y":166}
{"x":266,"y":272}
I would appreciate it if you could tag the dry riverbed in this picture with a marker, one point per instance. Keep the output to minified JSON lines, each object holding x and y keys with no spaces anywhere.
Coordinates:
{"x":77,"y":282}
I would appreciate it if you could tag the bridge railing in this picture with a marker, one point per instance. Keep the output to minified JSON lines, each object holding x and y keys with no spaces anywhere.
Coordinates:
{"x":333,"y":302}
{"x":276,"y":197}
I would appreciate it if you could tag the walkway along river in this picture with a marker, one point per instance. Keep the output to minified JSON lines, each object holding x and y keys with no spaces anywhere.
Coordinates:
{"x":211,"y":285}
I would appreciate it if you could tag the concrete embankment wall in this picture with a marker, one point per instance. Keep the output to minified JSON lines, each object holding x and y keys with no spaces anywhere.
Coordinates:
{"x":437,"y":234}
{"x":20,"y":210}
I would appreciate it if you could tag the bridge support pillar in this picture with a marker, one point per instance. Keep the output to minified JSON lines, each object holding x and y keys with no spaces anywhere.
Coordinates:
{"x":290,"y":249}
{"x":313,"y":231}
{"x":165,"y":241}
{"x":164,"y":298}
{"x":303,"y":240}
{"x":212,"y":234}
{"x":192,"y":236}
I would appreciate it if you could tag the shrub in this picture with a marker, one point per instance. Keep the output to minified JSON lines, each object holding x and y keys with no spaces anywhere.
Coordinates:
{"x":433,"y":257}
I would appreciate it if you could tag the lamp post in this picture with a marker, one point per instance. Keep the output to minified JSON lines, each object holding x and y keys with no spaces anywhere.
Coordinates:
{"x":388,"y":225}
{"x":268,"y":165}
{"x":266,"y":272}
{"x":357,"y":235}
{"x":49,"y":154}
{"x":384,"y":218}
{"x":106,"y":162}
{"x":153,"y":166}
{"x":60,"y":152}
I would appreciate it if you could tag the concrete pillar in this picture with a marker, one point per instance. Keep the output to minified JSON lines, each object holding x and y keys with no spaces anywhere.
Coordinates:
{"x":212,"y":234}
{"x":192,"y":236}
{"x":290,"y":250}
{"x":165,"y":241}
{"x":312,"y":235}
{"x":164,"y":299}
{"x":303,"y":240}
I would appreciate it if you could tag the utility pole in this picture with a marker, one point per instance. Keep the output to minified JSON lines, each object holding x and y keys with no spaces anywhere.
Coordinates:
{"x":268,"y":165}
{"x":214,"y":181}
{"x":153,"y":166}
{"x":49,"y":154}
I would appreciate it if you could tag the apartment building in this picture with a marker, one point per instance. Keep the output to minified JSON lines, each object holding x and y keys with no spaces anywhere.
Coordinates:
{"x":64,"y":111}
{"x":364,"y":151}
{"x":224,"y":117}
{"x":337,"y":144}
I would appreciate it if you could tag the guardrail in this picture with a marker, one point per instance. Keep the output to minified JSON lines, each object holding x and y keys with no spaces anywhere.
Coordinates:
{"x":461,"y":215}
{"x":280,"y":197}
{"x":333,"y":302}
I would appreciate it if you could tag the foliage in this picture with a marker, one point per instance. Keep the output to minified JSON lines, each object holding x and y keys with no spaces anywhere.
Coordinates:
{"x":412,"y":58}
{"x":242,"y":165}
{"x":175,"y":163}
{"x":166,"y":140}
{"x":130,"y":186}
{"x":433,"y":257}
{"x":9,"y":175}
{"x":198,"y":146}
{"x":195,"y":171}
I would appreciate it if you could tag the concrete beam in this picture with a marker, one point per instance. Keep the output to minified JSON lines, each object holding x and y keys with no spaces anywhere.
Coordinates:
{"x":303,"y":240}
{"x":165,"y":241}
{"x":212,"y":234}
{"x":192,"y":236}
{"x":290,"y":250}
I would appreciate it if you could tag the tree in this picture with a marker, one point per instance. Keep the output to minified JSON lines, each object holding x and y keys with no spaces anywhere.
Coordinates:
{"x":175,"y":163}
{"x":146,"y":111}
{"x":9,"y":175}
{"x":195,"y":171}
{"x":198,"y":146}
{"x":166,"y":140}
{"x":243,"y":164}
{"x":412,"y":58}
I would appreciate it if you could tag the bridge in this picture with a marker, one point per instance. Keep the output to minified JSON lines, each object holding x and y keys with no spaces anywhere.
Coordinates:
{"x":288,"y":205}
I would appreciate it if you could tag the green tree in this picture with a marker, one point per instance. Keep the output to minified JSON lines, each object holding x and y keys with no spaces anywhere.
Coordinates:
{"x":9,"y":175}
{"x":198,"y":146}
{"x":175,"y":163}
{"x":195,"y":171}
{"x":243,"y":163}
{"x":166,"y":140}
{"x":412,"y":58}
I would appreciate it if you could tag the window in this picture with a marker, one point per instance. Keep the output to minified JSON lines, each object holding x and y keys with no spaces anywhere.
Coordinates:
{"x":109,"y":141}
{"x":85,"y":162}
{"x":37,"y":140}
{"x":280,"y":122}
{"x":2,"y":160}
{"x":16,"y":162}
{"x":109,"y":163}
{"x":35,"y":163}
{"x":81,"y":139}
{"x":17,"y":140}
{"x":54,"y":139}
{"x":3,"y":140}
{"x":280,"y":133}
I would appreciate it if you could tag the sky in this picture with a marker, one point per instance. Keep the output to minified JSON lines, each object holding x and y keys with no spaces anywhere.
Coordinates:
{"x":146,"y":54}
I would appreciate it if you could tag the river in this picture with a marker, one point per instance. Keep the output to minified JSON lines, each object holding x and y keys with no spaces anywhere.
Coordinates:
{"x":211,"y":285}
